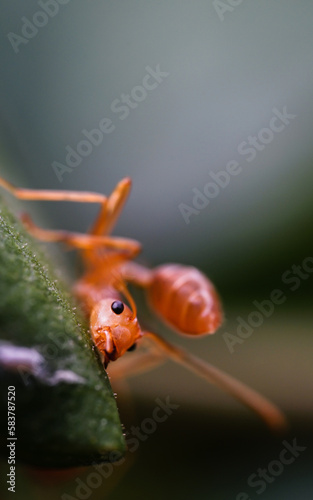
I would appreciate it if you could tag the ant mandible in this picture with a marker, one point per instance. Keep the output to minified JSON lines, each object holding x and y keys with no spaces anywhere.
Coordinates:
{"x":181,"y":295}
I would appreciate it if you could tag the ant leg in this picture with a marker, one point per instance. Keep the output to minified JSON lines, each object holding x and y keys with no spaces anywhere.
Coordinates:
{"x":53,"y":195}
{"x":80,"y":240}
{"x":108,"y":216}
{"x":56,"y":195}
{"x":137,"y":274}
{"x":110,"y":211}
{"x":264,"y":408}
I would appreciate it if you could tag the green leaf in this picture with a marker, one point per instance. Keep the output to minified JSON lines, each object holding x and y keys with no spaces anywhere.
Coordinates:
{"x":65,"y":411}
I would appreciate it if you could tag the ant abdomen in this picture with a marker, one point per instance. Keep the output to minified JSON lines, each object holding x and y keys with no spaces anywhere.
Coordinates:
{"x":185,"y":298}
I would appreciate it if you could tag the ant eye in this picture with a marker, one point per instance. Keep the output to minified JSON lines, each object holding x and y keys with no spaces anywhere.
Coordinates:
{"x":132,"y":348}
{"x":117,"y":307}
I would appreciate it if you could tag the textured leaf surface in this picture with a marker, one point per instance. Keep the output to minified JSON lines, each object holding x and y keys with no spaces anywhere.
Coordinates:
{"x":66,"y":413}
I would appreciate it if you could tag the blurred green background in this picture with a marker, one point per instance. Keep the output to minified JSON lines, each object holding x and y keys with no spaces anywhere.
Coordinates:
{"x":228,"y":67}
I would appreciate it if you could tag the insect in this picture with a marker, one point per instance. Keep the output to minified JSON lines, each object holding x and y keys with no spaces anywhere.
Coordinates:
{"x":182,"y":296}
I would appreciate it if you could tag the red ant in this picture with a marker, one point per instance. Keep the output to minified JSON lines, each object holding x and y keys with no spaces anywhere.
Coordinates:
{"x":182,"y":296}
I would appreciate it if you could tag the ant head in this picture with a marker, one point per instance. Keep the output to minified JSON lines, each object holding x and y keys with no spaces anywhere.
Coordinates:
{"x":114,"y":328}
